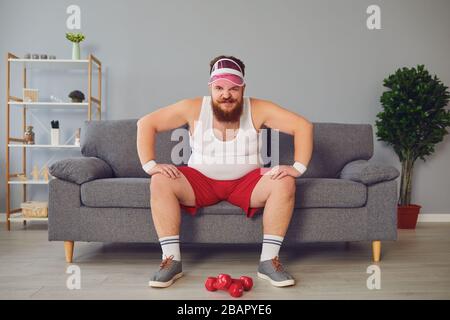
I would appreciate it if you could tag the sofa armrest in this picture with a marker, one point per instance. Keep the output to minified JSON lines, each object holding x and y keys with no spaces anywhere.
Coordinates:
{"x":368,"y":173}
{"x":80,"y":170}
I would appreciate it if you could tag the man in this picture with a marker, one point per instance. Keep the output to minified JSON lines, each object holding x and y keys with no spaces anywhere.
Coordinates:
{"x":217,"y":172}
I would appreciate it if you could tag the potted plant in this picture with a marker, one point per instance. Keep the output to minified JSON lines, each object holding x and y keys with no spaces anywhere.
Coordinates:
{"x":75,"y":38}
{"x":413,"y":121}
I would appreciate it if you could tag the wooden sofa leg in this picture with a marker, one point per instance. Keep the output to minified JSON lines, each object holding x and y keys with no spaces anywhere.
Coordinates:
{"x":376,"y":249}
{"x":68,"y":248}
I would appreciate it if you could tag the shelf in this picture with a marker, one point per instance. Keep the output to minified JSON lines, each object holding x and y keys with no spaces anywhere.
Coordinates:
{"x":52,"y":63}
{"x":17,"y":181}
{"x":18,"y":217}
{"x":43,"y":69}
{"x":61,"y":146}
{"x":50,"y":105}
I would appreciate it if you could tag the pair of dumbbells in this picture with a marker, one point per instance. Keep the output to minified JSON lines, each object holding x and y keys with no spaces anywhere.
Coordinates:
{"x":235,"y":287}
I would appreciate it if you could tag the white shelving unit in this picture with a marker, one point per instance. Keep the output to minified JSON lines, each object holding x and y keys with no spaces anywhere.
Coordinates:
{"x":46,"y":105}
{"x":18,"y":217}
{"x":17,"y":181}
{"x":70,"y":146}
{"x":87,"y":65}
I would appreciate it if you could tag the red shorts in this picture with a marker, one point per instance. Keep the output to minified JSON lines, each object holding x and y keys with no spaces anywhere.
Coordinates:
{"x":210,"y":191}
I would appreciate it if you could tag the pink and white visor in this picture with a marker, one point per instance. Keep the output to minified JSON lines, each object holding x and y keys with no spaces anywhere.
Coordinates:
{"x":227,"y":69}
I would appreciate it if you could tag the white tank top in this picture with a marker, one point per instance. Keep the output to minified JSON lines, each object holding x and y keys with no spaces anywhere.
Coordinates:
{"x":224,"y":160}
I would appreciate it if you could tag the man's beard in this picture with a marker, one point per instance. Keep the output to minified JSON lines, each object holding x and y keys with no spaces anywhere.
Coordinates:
{"x":232,"y":115}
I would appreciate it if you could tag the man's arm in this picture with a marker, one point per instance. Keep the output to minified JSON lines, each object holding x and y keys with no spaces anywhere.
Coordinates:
{"x":276,"y":117}
{"x":166,"y":118}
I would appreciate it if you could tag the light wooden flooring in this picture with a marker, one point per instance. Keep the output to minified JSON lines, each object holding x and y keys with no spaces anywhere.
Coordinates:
{"x":417,"y":266}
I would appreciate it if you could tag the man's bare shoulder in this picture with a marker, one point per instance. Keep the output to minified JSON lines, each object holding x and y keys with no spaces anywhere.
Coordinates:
{"x":193,"y":107}
{"x":259,"y":102}
{"x":196,"y":101}
{"x":259,"y":105}
{"x":259,"y":108}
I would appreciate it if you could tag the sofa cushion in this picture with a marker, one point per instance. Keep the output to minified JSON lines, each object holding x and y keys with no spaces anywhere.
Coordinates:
{"x":310,"y":193}
{"x":115,"y":142}
{"x":368,"y":173}
{"x":80,"y":169}
{"x":329,"y":193}
{"x":116,"y":193}
{"x":335,"y":144}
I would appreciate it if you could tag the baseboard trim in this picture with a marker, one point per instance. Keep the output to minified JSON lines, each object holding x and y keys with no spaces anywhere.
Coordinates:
{"x":423,"y":217}
{"x":434,"y":217}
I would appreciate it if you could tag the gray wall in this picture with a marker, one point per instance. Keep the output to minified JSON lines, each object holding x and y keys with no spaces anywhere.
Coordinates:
{"x":316,"y":58}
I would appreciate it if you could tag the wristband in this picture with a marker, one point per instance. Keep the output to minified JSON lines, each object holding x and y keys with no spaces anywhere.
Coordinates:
{"x":149,"y":165}
{"x":299,"y":167}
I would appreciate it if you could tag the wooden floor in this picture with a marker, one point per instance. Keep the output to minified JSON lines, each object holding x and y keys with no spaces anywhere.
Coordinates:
{"x":417,"y":266}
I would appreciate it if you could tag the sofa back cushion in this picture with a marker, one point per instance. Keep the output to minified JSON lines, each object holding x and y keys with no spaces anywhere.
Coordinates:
{"x":114,"y":141}
{"x":335,"y":144}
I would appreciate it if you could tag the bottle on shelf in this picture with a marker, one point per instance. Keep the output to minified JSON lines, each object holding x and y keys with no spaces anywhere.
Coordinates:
{"x":55,"y":133}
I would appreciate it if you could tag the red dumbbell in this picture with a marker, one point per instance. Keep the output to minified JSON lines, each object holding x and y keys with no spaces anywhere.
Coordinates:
{"x":210,"y":284}
{"x":225,"y":282}
{"x":235,"y":287}
{"x":222,"y":282}
{"x":247,"y":282}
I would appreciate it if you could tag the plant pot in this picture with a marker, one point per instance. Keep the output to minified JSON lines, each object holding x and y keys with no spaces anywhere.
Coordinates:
{"x":407,"y":216}
{"x":75,"y":51}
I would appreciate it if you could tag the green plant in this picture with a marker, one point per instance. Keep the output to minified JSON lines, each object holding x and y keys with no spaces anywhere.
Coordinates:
{"x":75,"y":37}
{"x":413,"y":119}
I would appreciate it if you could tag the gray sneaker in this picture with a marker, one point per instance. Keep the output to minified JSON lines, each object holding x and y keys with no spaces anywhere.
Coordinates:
{"x":168,"y":272}
{"x":273,"y":271}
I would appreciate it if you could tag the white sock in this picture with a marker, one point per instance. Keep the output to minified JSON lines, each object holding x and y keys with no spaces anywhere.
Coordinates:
{"x":271,"y":246}
{"x":170,"y":246}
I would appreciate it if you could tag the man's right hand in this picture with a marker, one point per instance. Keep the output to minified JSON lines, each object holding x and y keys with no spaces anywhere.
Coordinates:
{"x":169,"y":170}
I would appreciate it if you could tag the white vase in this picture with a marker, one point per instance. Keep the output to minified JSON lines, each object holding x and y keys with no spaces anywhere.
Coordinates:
{"x":54,"y":137}
{"x":75,"y":51}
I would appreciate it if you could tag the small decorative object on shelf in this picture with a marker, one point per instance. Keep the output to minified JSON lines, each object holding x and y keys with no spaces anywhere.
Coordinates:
{"x":52,"y":57}
{"x":27,"y":56}
{"x":29,"y":135}
{"x":44,"y":173}
{"x":35,"y":56}
{"x":22,"y":177}
{"x":76,"y":96}
{"x":35,"y":173}
{"x":55,"y":99}
{"x":34,"y":209}
{"x":43,"y":56}
{"x":30,"y":95}
{"x":77,"y":137}
{"x":75,"y":38}
{"x":55,"y":133}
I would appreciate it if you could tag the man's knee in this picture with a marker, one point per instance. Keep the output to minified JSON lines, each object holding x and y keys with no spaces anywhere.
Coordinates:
{"x":159,"y":182}
{"x":285,"y":186}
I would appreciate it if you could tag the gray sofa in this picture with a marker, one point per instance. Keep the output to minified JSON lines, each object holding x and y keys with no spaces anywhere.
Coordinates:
{"x":104,"y":195}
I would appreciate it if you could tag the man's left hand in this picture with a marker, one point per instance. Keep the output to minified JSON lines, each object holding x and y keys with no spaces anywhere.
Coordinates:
{"x":281,"y":171}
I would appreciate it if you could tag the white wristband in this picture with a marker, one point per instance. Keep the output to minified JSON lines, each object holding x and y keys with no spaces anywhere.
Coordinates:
{"x":300,"y":167}
{"x":149,"y":165}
